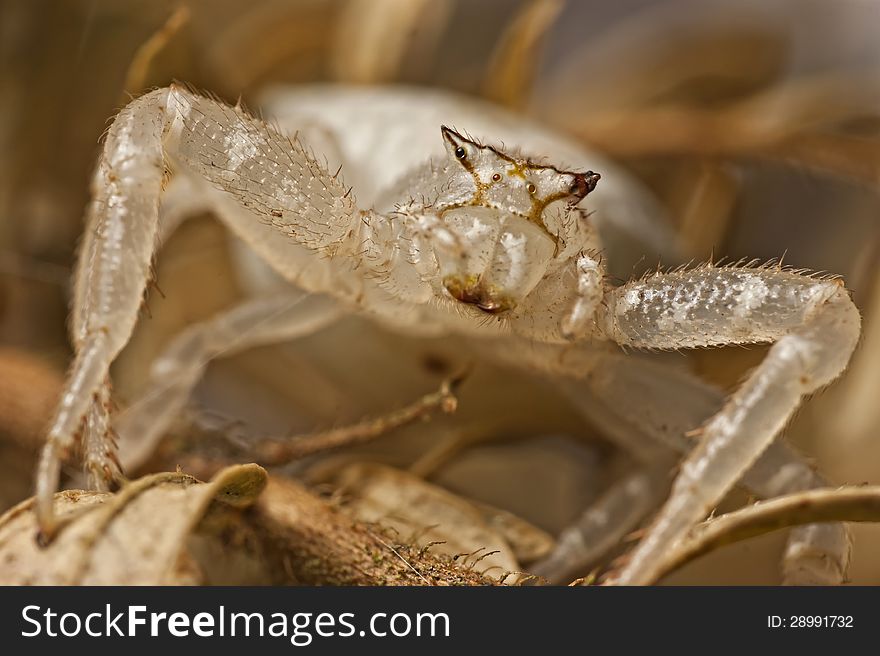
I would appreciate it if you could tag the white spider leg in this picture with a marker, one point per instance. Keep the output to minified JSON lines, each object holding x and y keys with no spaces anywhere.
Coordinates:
{"x":267,"y":172}
{"x":272,"y":176}
{"x":184,"y":197}
{"x":590,"y":273}
{"x":548,"y":313}
{"x":815,"y":327}
{"x":815,"y":554}
{"x":176,"y":372}
{"x":100,"y":459}
{"x":181,"y":200}
{"x":572,"y":370}
{"x":605,"y":524}
{"x":653,"y":419}
{"x":665,"y":404}
{"x":113,"y":269}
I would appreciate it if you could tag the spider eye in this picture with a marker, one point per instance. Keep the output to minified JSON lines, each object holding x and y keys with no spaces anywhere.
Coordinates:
{"x":531,"y":188}
{"x":496,"y":177}
{"x":460,"y":152}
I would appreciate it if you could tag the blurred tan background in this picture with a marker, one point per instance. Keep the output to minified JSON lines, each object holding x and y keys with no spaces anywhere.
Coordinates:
{"x":755,"y":124}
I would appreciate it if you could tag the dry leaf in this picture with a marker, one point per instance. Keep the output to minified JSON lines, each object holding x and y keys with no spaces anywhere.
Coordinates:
{"x":529,"y":543}
{"x":135,"y":537}
{"x":310,"y":542}
{"x":422,"y":513}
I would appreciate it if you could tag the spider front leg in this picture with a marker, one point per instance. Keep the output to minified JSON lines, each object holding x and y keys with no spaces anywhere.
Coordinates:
{"x":273,"y":177}
{"x":815,"y":327}
{"x":113,"y":269}
{"x":663,"y":407}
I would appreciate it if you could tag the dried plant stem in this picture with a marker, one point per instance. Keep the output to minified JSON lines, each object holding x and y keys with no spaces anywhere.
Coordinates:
{"x":277,"y":452}
{"x":512,"y":69}
{"x":707,"y":203}
{"x":852,"y":504}
{"x":686,"y":131}
{"x":317,"y":544}
{"x":139,"y":68}
{"x":374,"y":38}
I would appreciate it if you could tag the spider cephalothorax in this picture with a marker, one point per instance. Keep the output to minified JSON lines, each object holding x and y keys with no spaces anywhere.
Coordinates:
{"x":512,"y":213}
{"x":521,"y":187}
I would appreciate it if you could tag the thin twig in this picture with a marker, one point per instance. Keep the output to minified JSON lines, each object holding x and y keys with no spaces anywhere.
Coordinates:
{"x":138,"y":69}
{"x":310,"y":542}
{"x":277,"y":452}
{"x":685,"y":131}
{"x":846,"y":504}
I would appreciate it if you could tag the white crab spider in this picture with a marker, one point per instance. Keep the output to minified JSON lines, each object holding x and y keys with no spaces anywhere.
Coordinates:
{"x":481,"y":242}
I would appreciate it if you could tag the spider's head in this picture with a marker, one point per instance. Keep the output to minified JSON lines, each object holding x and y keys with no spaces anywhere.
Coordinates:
{"x":518,"y":186}
{"x":510,"y":217}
